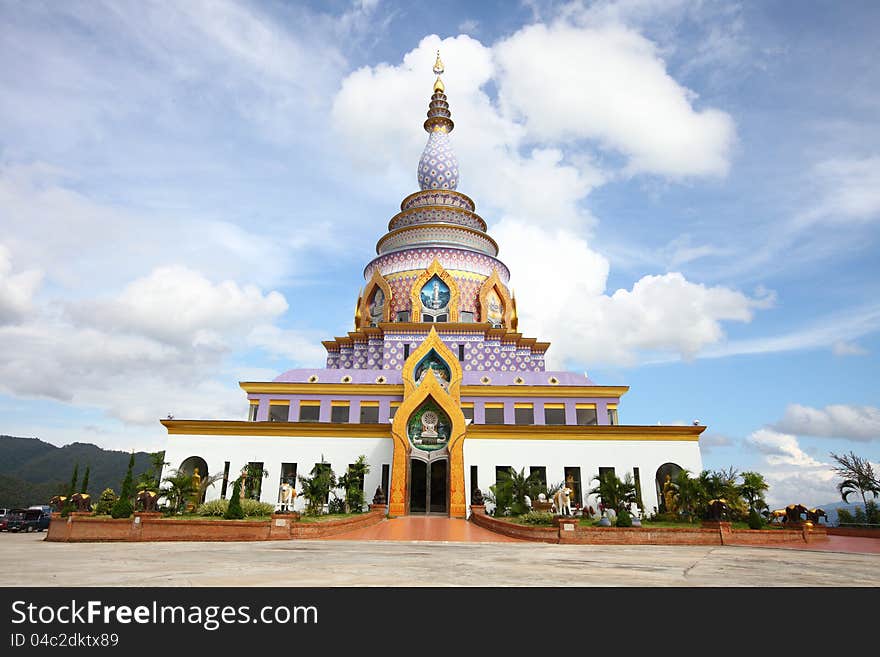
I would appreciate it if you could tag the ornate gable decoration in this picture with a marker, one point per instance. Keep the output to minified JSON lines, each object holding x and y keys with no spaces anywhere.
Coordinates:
{"x":432,"y":360}
{"x":495,"y":304}
{"x":416,"y":300}
{"x":375,"y":304}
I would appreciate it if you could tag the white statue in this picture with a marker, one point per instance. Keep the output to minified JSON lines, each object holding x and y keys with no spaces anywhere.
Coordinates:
{"x":285,"y":494}
{"x":377,"y":308}
{"x":435,"y":299}
{"x":429,"y":424}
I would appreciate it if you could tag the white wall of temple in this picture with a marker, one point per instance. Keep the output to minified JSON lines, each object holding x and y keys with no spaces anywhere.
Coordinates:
{"x":272,"y":451}
{"x":588,"y":455}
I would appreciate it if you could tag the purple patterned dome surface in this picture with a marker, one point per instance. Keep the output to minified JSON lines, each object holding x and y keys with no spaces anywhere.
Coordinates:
{"x":438,"y":166}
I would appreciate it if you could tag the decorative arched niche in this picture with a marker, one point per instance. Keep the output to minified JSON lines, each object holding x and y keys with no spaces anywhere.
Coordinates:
{"x":434,"y":355}
{"x":495,"y":305}
{"x":434,"y":295}
{"x":376,"y":301}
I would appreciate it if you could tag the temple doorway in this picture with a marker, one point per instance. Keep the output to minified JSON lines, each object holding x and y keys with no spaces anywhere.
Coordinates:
{"x":428,"y":487}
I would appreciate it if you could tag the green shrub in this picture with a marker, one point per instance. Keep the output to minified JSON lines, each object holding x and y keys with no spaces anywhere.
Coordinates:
{"x":756,"y":521}
{"x":872,"y":513}
{"x":252,"y":508}
{"x":538,"y":518}
{"x":337,"y":505}
{"x":213,"y":508}
{"x":233,"y":511}
{"x":122,"y":508}
{"x":105,"y":502}
{"x":624,"y":519}
{"x":844,"y":517}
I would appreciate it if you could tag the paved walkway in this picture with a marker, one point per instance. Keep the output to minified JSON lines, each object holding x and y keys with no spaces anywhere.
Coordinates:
{"x":399,"y":563}
{"x":425,"y":528}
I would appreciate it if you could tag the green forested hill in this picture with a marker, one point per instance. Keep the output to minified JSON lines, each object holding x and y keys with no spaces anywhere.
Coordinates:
{"x":32,"y":471}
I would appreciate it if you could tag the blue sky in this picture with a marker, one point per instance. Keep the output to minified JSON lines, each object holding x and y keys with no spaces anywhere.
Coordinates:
{"x":687,"y":194}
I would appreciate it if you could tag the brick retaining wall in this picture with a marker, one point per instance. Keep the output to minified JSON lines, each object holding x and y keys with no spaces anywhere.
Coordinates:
{"x":526,"y":532}
{"x":77,"y":528}
{"x":568,"y":531}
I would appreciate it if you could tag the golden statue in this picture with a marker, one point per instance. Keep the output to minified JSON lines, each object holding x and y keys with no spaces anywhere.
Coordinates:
{"x":197,"y":487}
{"x":569,"y":484}
{"x":669,"y":495}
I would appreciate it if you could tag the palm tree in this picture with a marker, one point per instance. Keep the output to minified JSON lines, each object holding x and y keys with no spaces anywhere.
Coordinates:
{"x":688,"y":493}
{"x":180,"y":488}
{"x":858,"y":477}
{"x":614,"y":493}
{"x":520,"y":486}
{"x":752,"y":489}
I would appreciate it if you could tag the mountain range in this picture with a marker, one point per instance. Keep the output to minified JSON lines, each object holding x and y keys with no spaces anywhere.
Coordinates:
{"x":32,"y":471}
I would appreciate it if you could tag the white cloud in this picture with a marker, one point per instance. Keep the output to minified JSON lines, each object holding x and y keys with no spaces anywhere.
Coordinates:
{"x":16,"y":289}
{"x":560,"y":285}
{"x":302,"y":349}
{"x":811,"y":487}
{"x":780,"y":448}
{"x":823,"y":333}
{"x":157,"y":347}
{"x":609,"y":84}
{"x":710,"y":441}
{"x":849,"y":191}
{"x":180,"y":306}
{"x":861,"y":423}
{"x":794,"y":476}
{"x":843,"y":348}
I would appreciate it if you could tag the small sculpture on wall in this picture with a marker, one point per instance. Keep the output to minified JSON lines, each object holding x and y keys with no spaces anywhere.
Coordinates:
{"x":477,"y":497}
{"x":379,"y":496}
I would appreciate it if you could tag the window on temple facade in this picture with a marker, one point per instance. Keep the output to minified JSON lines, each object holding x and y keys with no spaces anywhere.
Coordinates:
{"x":403,"y":316}
{"x":339,"y":412}
{"x":392,"y":409}
{"x":252,"y":412}
{"x":369,"y":412}
{"x":468,"y":411}
{"x":309,"y":412}
{"x":461,"y":353}
{"x":494,"y":414}
{"x":540,"y":473}
{"x":586,"y":415}
{"x":554,"y":413}
{"x":278,"y":412}
{"x":612,"y":414}
{"x":524,"y":414}
{"x":466,"y":316}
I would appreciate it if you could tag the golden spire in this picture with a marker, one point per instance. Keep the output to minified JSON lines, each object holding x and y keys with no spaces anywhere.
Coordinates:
{"x":514,"y":319}
{"x":438,"y":71}
{"x":357,"y":310}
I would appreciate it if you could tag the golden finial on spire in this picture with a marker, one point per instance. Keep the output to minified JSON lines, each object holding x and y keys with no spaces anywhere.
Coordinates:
{"x":438,"y":71}
{"x":357,"y":310}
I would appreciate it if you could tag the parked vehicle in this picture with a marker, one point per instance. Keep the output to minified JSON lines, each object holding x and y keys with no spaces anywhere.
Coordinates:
{"x":4,"y":514}
{"x":27,"y":520}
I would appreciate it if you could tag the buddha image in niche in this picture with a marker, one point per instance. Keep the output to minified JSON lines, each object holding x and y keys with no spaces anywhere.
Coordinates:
{"x":494,"y":309}
{"x":377,"y":307}
{"x":435,"y":294}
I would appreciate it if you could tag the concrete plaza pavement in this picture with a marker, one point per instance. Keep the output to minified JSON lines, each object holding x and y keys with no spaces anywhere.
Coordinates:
{"x":367,"y":563}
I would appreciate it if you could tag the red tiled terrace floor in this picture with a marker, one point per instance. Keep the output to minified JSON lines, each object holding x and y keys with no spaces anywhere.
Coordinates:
{"x":425,"y":528}
{"x":834,"y":544}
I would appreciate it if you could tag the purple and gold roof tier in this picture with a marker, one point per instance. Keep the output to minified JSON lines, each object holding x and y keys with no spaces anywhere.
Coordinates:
{"x":433,"y":197}
{"x":436,"y":214}
{"x":419,"y":259}
{"x":437,"y":235}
